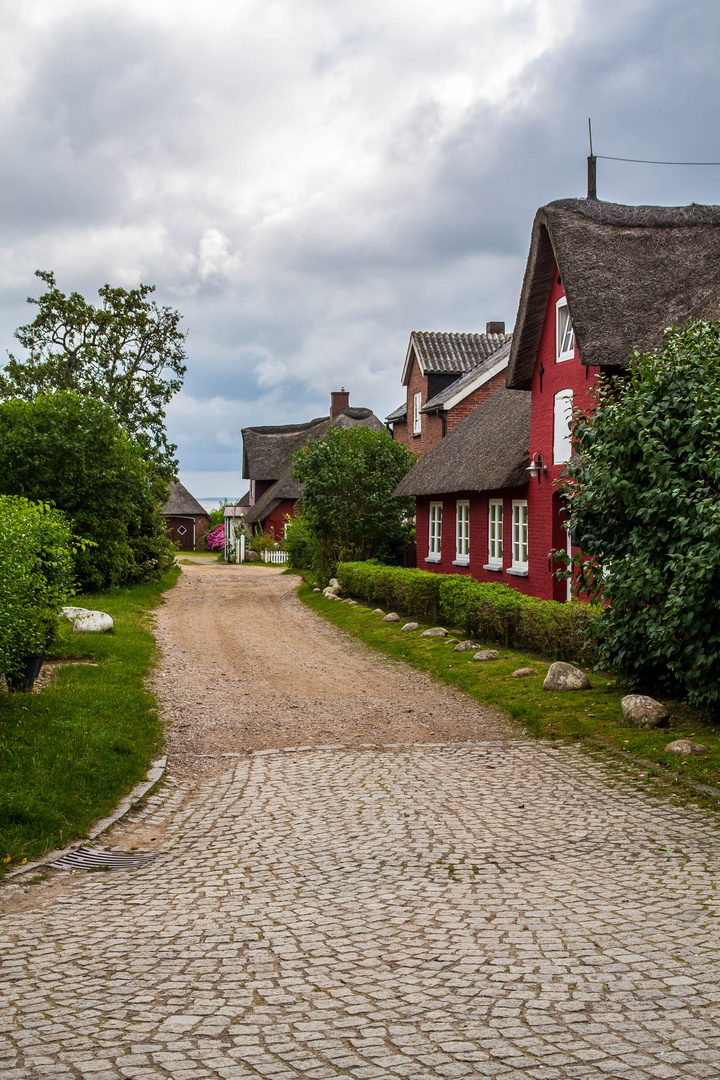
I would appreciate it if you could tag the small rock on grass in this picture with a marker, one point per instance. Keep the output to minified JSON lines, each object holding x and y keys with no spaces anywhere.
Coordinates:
{"x":562,"y":676}
{"x":435,"y":631}
{"x":352,"y":603}
{"x":392,"y":616}
{"x":333,"y":582}
{"x":524,"y":673}
{"x":641,"y":711}
{"x":409,"y":626}
{"x":378,"y":611}
{"x":451,"y":641}
{"x":93,"y":622}
{"x":686,"y":748}
{"x":465,"y":646}
{"x":487,"y":654}
{"x":316,"y":589}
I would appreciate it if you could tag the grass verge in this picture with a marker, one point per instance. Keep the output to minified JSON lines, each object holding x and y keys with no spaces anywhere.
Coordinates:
{"x":591,"y":717}
{"x":70,"y":751}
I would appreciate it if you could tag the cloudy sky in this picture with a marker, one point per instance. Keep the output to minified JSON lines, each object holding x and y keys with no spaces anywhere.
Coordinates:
{"x":310,"y":180}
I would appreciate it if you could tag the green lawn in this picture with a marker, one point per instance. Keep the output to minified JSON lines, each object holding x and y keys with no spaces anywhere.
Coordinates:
{"x":69,"y":752}
{"x":592,"y":717}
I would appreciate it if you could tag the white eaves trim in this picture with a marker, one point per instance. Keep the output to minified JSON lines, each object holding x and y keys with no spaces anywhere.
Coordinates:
{"x":473,"y":384}
{"x":408,"y":362}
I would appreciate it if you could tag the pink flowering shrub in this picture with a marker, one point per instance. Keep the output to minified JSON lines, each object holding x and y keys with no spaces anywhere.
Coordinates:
{"x":215,"y":540}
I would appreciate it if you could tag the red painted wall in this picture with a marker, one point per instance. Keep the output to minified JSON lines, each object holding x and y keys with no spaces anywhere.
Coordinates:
{"x":544,"y":505}
{"x":275,"y":521}
{"x":479,"y":520}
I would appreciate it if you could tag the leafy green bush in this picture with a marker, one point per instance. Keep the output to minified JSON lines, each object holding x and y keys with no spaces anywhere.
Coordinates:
{"x":36,"y":575}
{"x":349,"y":476}
{"x":70,"y":451}
{"x":300,"y":544}
{"x":643,"y":501}
{"x":264,"y":541}
{"x":487,"y":611}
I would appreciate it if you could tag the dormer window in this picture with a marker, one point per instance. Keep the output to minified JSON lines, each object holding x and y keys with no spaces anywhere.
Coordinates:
{"x":564,"y":333}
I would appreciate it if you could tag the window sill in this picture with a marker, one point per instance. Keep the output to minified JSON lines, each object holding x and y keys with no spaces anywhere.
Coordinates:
{"x":516,"y":572}
{"x":433,"y":558}
{"x":491,"y":566}
{"x":462,"y":560}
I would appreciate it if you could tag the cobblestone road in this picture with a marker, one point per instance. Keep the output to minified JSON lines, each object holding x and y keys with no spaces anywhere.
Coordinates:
{"x":421,"y":912}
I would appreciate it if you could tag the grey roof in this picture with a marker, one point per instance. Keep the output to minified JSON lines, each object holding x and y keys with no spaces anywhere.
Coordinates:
{"x":488,"y":451}
{"x":451,"y":352}
{"x":465,"y":383}
{"x":182,"y":503}
{"x":397,"y":414}
{"x":628,"y":273}
{"x":265,"y":451}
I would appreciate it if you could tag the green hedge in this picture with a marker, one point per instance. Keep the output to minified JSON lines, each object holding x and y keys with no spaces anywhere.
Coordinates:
{"x":484,"y":610}
{"x":36,"y":574}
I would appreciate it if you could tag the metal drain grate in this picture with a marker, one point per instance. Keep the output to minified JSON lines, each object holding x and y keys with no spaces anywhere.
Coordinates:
{"x":96,"y":858}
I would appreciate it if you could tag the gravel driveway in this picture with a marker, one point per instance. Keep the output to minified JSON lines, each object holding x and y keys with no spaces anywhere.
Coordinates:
{"x":466,"y":903}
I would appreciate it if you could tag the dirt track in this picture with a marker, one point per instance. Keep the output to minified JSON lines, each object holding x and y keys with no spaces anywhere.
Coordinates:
{"x":247,"y":667}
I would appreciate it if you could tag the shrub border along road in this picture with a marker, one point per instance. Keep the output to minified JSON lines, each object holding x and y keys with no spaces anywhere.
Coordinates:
{"x":591,"y":718}
{"x":69,"y":752}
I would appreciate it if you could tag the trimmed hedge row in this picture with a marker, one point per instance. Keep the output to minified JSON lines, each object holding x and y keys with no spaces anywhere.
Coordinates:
{"x":36,"y":576}
{"x":483,"y":610}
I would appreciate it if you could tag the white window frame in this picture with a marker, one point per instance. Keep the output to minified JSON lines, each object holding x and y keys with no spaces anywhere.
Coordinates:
{"x":564,"y":332}
{"x":562,"y":426}
{"x":417,"y":415}
{"x":519,"y":564}
{"x":462,"y":533}
{"x":434,"y":532}
{"x":495,"y":534}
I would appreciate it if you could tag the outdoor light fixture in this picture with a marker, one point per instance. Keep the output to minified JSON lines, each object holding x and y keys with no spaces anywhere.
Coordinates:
{"x":537,"y":466}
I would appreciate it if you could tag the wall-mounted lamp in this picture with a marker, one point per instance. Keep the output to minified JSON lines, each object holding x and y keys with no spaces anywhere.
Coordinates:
{"x":537,"y":466}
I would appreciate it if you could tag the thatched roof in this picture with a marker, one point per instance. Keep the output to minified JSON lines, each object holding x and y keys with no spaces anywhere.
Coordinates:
{"x":628,"y":273}
{"x":182,"y":503}
{"x":268,"y":452}
{"x":470,"y":380}
{"x":449,"y":353}
{"x":486,"y":452}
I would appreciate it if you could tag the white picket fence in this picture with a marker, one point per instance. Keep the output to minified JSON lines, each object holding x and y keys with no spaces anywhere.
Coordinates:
{"x":275,"y":556}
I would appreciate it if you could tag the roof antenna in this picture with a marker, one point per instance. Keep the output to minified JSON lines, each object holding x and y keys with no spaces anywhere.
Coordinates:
{"x":592,"y":168}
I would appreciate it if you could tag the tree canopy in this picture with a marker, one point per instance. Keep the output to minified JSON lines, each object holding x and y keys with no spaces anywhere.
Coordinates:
{"x":127,"y":352}
{"x":70,"y":451}
{"x":644,"y":504}
{"x":347,"y":503}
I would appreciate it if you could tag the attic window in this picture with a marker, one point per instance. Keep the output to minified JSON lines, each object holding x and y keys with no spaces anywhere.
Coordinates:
{"x":417,"y":415}
{"x":564,"y":333}
{"x":182,"y":530}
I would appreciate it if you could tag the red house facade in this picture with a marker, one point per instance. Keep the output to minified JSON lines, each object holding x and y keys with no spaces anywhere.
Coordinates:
{"x":601,"y":279}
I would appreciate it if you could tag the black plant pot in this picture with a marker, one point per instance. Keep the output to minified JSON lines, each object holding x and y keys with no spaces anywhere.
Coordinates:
{"x":24,"y":679}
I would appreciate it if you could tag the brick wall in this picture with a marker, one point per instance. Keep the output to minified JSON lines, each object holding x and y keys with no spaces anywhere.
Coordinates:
{"x":463,"y":409}
{"x":431,"y":426}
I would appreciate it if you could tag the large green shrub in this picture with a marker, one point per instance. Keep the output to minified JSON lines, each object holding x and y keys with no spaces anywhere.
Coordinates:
{"x":644,"y":504}
{"x":349,"y":476}
{"x":36,"y":576}
{"x":70,"y":451}
{"x":487,"y":611}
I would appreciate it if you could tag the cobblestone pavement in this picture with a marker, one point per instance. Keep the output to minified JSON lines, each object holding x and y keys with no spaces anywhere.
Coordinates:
{"x":497,"y":909}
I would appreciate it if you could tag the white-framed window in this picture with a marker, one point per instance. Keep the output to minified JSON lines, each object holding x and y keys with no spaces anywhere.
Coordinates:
{"x":519,"y":535}
{"x":562,"y":426}
{"x":435,"y":533}
{"x":417,"y":415}
{"x":564,"y":333}
{"x":495,"y":532}
{"x":462,"y":532}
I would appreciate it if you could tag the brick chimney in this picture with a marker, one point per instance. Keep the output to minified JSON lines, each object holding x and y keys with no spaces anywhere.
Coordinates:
{"x":339,"y":401}
{"x":495,"y":328}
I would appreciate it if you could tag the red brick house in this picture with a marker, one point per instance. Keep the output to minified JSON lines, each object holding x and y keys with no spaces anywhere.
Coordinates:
{"x":601,"y":279}
{"x":266,"y":461}
{"x":446,"y":376}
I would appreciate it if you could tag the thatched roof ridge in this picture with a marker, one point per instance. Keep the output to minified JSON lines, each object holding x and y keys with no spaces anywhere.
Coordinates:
{"x":182,"y":503}
{"x":468,"y":382}
{"x":284,"y":488}
{"x":448,"y":352}
{"x":488,"y":451}
{"x":628,"y":273}
{"x":267,"y":450}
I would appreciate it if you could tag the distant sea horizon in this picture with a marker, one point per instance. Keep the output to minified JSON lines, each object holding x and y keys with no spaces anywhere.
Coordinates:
{"x":213,"y":503}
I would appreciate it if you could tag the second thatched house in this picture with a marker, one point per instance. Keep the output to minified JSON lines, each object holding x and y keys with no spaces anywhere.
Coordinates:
{"x":267,"y":453}
{"x":186,"y":519}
